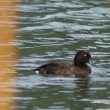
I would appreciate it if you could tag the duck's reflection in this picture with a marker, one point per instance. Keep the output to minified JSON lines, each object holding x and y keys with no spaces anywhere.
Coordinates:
{"x":82,"y":86}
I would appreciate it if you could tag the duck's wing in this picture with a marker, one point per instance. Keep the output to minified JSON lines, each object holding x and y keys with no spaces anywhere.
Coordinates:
{"x":54,"y":67}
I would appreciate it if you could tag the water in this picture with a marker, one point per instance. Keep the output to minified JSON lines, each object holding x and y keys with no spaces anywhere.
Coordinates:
{"x":53,"y":29}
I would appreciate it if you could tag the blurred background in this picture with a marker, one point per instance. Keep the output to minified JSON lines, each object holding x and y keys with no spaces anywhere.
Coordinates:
{"x":34,"y":32}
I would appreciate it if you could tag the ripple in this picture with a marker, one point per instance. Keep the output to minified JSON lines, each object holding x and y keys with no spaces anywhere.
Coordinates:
{"x":102,"y":101}
{"x":37,"y":81}
{"x":54,"y":29}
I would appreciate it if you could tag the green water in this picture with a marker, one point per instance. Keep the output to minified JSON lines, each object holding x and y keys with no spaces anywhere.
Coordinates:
{"x":53,"y":29}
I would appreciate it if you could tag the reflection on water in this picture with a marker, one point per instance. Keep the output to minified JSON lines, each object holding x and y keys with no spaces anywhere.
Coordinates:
{"x":7,"y":54}
{"x":54,"y":29}
{"x":58,"y":90}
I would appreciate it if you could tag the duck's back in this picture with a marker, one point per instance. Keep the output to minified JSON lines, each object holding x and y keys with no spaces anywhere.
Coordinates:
{"x":56,"y":67}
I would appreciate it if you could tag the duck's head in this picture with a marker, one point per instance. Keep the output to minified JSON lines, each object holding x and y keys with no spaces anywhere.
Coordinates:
{"x":81,"y":58}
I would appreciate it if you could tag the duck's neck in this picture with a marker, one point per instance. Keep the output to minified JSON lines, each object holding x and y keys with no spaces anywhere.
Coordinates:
{"x":79,"y":64}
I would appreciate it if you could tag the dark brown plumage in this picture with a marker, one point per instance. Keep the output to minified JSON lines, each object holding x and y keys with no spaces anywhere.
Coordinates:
{"x":67,"y":67}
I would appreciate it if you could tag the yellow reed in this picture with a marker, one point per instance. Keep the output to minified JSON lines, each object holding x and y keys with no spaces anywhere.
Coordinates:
{"x":8,"y":53}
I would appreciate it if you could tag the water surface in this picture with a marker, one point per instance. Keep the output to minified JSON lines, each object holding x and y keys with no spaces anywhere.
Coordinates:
{"x":53,"y":29}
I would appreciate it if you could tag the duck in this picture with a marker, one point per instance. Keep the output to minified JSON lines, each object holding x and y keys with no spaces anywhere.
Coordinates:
{"x":76,"y":66}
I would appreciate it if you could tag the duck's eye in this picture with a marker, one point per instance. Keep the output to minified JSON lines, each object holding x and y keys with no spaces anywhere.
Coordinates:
{"x":85,"y":55}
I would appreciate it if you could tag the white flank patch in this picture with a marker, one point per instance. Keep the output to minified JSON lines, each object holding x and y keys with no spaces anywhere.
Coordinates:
{"x":37,"y":72}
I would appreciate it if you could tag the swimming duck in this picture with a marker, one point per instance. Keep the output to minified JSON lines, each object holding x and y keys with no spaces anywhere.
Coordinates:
{"x":77,"y":66}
